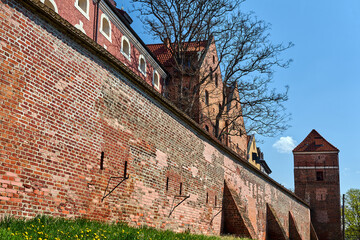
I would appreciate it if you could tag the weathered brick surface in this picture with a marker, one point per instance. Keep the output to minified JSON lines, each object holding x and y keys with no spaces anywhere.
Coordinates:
{"x":322,"y":196}
{"x":62,"y":106}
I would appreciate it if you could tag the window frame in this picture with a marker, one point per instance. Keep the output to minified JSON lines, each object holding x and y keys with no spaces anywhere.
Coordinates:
{"x":124,"y":38}
{"x":153,"y":82}
{"x":141,"y":57}
{"x":104,"y":16}
{"x":86,"y":14}
{"x":53,"y":3}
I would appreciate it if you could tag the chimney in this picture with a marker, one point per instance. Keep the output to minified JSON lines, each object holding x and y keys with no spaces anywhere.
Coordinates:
{"x":113,"y":2}
{"x":126,"y":16}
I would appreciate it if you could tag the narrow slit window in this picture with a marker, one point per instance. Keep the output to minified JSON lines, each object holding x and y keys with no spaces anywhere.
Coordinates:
{"x":167,"y":183}
{"x":206,"y":97}
{"x":180,"y":191}
{"x":125,"y":169}
{"x":215,"y":204}
{"x":216,"y":80}
{"x":102,"y":161}
{"x":207,"y":198}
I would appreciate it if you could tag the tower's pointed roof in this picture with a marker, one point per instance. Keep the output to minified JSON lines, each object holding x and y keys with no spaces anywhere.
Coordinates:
{"x":314,"y":142}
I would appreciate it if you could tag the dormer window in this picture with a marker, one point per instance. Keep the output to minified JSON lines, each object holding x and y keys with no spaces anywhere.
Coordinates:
{"x":125,"y":47}
{"x":105,"y":27}
{"x":83,"y":7}
{"x":50,"y":4}
{"x":156,"y":80}
{"x":142,"y":65}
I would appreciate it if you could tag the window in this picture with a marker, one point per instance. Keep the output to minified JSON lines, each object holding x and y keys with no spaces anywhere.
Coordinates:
{"x":213,"y":59}
{"x":319,"y":176}
{"x":125,"y":47}
{"x":167,"y":183}
{"x":206,"y":128}
{"x":51,"y":4}
{"x":105,"y":27}
{"x":211,"y":74}
{"x":216,"y":79}
{"x":206,"y":97}
{"x":83,"y":7}
{"x":142,"y":65}
{"x":156,"y":80}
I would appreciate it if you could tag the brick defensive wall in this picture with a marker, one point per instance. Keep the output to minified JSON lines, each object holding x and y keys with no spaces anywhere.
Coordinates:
{"x":83,"y":136}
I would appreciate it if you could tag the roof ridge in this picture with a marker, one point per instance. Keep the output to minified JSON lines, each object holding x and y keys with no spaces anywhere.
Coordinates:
{"x":309,"y":145}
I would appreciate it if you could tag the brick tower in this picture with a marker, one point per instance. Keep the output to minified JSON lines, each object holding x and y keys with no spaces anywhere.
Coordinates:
{"x":316,"y":172}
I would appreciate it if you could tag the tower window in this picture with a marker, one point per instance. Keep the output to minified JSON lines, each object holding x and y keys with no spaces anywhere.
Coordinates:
{"x":83,"y":7}
{"x":319,"y":176}
{"x":51,"y":4}
{"x":216,"y":79}
{"x":105,"y":28}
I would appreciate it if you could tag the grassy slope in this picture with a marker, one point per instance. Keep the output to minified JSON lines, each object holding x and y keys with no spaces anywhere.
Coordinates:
{"x":42,"y":228}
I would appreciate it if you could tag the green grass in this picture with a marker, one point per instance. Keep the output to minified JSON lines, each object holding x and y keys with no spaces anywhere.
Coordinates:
{"x":43,"y":227}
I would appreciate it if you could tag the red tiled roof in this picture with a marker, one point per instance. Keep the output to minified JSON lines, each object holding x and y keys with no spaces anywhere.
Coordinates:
{"x":164,"y":55}
{"x":314,"y":142}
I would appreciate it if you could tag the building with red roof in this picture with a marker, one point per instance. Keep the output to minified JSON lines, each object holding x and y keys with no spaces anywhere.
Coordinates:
{"x":316,"y":174}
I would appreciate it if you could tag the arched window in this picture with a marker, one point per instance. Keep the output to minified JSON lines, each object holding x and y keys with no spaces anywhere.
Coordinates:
{"x":206,"y":97}
{"x":51,"y":4}
{"x":206,"y":128}
{"x":125,"y":47}
{"x":211,"y":74}
{"x":83,"y":7}
{"x":216,"y":79}
{"x":156,"y":80}
{"x":105,"y":27}
{"x":142,"y":65}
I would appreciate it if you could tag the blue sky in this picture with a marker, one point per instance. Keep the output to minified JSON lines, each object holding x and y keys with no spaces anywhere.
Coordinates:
{"x":323,"y":79}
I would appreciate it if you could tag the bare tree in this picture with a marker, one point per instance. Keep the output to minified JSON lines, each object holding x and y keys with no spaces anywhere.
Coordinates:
{"x":244,"y":53}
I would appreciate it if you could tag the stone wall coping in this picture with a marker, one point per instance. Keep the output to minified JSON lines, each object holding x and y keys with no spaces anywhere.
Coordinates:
{"x":79,"y":37}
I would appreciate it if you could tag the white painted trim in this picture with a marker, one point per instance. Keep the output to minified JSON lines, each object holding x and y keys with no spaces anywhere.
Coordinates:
{"x":128,"y":56}
{"x":318,"y":167}
{"x":299,"y":153}
{"x":158,"y":75}
{"x":80,"y":26}
{"x":86,"y":14}
{"x":123,"y":29}
{"x":143,"y":72}
{"x":53,"y":3}
{"x":108,"y":37}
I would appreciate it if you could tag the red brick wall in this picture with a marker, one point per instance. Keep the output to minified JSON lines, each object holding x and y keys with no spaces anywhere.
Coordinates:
{"x":64,"y":102}
{"x":322,"y":196}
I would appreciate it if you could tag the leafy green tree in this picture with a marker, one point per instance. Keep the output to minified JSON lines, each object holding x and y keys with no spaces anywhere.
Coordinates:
{"x":352,"y":214}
